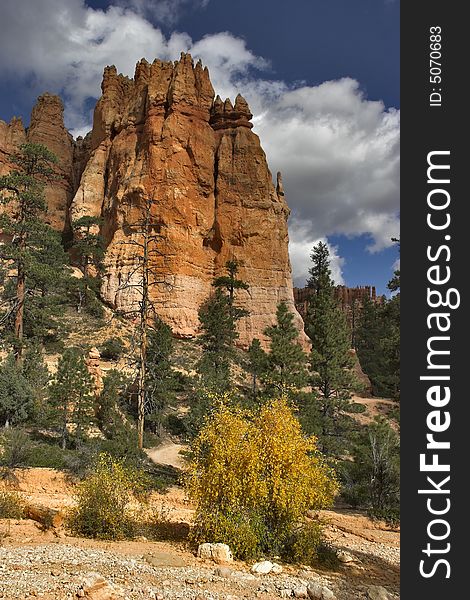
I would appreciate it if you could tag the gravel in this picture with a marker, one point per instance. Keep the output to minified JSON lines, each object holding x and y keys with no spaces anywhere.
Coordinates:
{"x":57,"y":571}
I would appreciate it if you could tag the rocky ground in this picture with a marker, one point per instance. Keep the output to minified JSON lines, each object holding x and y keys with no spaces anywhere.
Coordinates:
{"x":54,"y":566}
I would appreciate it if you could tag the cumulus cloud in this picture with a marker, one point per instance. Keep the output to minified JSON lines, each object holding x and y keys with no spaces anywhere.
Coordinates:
{"x":339,"y":154}
{"x":338,"y":150}
{"x":300,"y":249}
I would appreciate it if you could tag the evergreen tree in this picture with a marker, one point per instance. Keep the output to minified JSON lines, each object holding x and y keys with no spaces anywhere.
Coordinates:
{"x":145,"y":237}
{"x":15,"y":394}
{"x":161,"y":383}
{"x":378,"y":345}
{"x":320,"y":272}
{"x":88,"y":250}
{"x":378,"y":341}
{"x":391,"y":341}
{"x":37,"y":375}
{"x":218,"y":317}
{"x":330,"y":359}
{"x":72,"y":395}
{"x":256,"y":365}
{"x":394,"y":283}
{"x":390,"y":346}
{"x":230,"y":283}
{"x":110,"y":414}
{"x":217,"y":341}
{"x":372,"y":479}
{"x":32,"y":248}
{"x":287,"y":361}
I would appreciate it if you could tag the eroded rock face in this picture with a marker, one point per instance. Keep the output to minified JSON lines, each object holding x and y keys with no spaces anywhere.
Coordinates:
{"x":162,"y":136}
{"x":47,"y":128}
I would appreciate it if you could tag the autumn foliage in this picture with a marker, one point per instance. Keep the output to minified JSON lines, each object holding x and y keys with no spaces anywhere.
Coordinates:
{"x":253,"y":476}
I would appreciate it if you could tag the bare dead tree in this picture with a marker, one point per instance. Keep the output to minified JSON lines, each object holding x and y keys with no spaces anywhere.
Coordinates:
{"x":145,"y":236}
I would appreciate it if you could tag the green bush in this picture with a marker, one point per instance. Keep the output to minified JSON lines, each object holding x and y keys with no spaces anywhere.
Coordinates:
{"x":48,"y":456}
{"x":391,"y":515}
{"x":112,"y":349}
{"x":372,"y":479}
{"x":11,"y":506}
{"x":304,"y":543}
{"x":355,"y":407}
{"x":103,"y":500}
{"x":15,"y":448}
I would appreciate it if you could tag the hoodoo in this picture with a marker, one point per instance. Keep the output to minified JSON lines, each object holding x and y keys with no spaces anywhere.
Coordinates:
{"x":163,"y":136}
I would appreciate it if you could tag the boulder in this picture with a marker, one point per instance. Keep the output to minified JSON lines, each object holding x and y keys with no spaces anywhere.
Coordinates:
{"x":317,"y":591}
{"x":95,"y":587}
{"x":266,"y":566}
{"x":377,"y":592}
{"x":219,"y":553}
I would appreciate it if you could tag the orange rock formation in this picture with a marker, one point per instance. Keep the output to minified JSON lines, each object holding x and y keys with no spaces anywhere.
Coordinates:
{"x":161,"y":135}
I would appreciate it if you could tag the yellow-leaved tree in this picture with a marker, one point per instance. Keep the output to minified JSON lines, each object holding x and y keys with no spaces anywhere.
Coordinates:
{"x":253,"y":476}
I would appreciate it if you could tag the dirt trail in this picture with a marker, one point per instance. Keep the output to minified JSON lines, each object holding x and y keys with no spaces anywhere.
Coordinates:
{"x":168,"y":453}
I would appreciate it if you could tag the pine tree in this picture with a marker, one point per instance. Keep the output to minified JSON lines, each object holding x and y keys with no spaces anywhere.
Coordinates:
{"x":160,"y":384}
{"x":378,"y":345}
{"x":217,"y":341}
{"x":110,"y":415}
{"x":32,"y":249}
{"x":145,"y":237}
{"x":330,"y":359}
{"x":218,"y":317}
{"x":15,"y":394}
{"x":37,"y":375}
{"x":88,"y":250}
{"x":394,"y":283}
{"x":72,"y":395}
{"x":320,"y":272}
{"x":287,"y":361}
{"x":230,"y":283}
{"x":256,"y":365}
{"x":391,"y":341}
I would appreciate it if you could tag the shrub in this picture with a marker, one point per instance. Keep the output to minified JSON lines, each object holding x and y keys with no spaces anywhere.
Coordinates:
{"x":305,"y":542}
{"x":49,"y":456}
{"x":372,"y":479}
{"x":11,"y":506}
{"x":253,"y":476}
{"x":103,"y":500}
{"x":15,"y":394}
{"x":15,"y":448}
{"x":356,"y":407}
{"x":112,"y":349}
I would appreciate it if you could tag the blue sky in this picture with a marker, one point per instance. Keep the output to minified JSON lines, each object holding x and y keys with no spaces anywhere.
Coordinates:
{"x":321,"y":77}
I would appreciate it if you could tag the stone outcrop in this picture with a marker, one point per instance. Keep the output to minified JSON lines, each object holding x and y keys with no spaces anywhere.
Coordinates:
{"x":349,"y":299}
{"x":162,"y":136}
{"x":47,"y":128}
{"x":12,"y":135}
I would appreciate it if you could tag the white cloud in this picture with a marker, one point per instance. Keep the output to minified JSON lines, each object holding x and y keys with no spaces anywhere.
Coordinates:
{"x":300,"y":248}
{"x":338,"y":151}
{"x":339,"y":154}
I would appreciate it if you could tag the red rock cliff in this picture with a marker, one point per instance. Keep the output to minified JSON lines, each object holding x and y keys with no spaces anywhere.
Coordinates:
{"x":162,"y":135}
